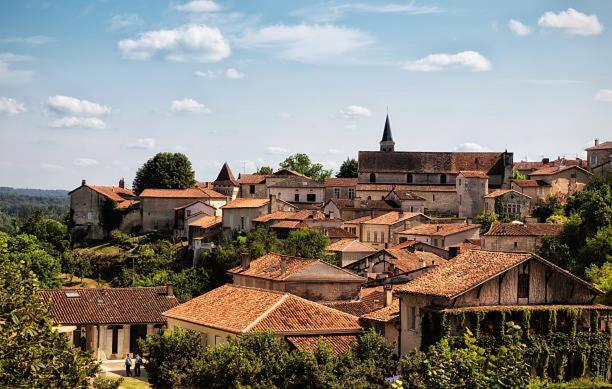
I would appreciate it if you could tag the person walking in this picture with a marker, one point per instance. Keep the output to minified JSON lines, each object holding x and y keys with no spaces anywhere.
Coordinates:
{"x":128,"y":366}
{"x":137,"y":363}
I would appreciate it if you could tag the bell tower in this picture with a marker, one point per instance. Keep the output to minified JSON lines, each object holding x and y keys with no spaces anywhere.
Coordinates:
{"x":387,"y":143}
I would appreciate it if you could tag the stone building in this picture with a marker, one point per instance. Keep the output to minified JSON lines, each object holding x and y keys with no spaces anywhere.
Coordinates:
{"x":599,"y":157}
{"x":340,"y":188}
{"x":472,"y":187}
{"x":441,"y":235}
{"x":299,"y":191}
{"x":188,"y":214}
{"x":240,"y":213}
{"x":406,"y":200}
{"x":439,"y":199}
{"x":513,"y":202}
{"x":348,"y":209}
{"x":381,"y":232}
{"x":253,"y":186}
{"x":157,"y":205}
{"x":226,"y":183}
{"x":518,"y":236}
{"x":109,"y":321}
{"x":87,"y":202}
{"x":233,"y":310}
{"x":564,"y":180}
{"x":311,"y":279}
{"x":392,"y":262}
{"x":473,"y":289}
{"x":349,"y":250}
{"x":535,"y":189}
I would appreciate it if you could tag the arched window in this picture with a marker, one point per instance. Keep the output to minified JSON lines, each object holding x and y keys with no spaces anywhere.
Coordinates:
{"x":442,"y":178}
{"x":372,"y":177}
{"x":409,"y":178}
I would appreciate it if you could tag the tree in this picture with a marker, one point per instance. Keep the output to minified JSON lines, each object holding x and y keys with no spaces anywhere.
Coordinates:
{"x":39,"y":257}
{"x":47,"y":230}
{"x":517,"y":175}
{"x":165,"y":171}
{"x":547,"y":207}
{"x":190,"y":282}
{"x":348,"y":169}
{"x":32,"y":353}
{"x":301,"y":163}
{"x":307,"y":243}
{"x":265,"y":170}
{"x":485,"y":219}
{"x":110,"y":216}
{"x":261,"y":241}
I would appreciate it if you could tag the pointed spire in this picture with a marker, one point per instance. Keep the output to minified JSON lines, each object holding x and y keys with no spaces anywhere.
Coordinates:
{"x":226,"y":175}
{"x":387,"y":143}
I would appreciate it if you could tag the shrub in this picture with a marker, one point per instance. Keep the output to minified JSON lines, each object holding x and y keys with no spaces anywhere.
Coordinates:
{"x":107,"y":382}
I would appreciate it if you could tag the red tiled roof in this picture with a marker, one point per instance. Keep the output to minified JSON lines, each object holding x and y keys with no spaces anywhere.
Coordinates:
{"x":501,"y":192}
{"x":297,"y":182}
{"x":385,"y":314}
{"x":239,"y":309}
{"x":115,"y":193}
{"x":529,"y":229}
{"x":127,"y":203}
{"x":550,"y":169}
{"x":393,"y":217}
{"x":340,"y":182}
{"x":371,"y":299}
{"x":337,"y":233}
{"x":602,"y":146}
{"x":246,"y":203}
{"x":528,"y":165}
{"x":338,"y":343}
{"x":439,"y":229}
{"x":252,"y":178}
{"x":344,"y":244}
{"x":108,"y":306}
{"x":207,"y":222}
{"x":290,"y":215}
{"x":407,"y":195}
{"x":473,"y":174}
{"x":196,"y":193}
{"x":289,"y":224}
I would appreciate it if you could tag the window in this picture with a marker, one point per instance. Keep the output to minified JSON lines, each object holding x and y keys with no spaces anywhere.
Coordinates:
{"x":188,"y":213}
{"x":514,"y":209}
{"x":402,"y":239}
{"x":89,"y":216}
{"x":523,"y":286}
{"x":442,"y":178}
{"x":515,"y":244}
{"x":409,"y":178}
{"x":434,"y":198}
{"x":413,"y":313}
{"x":251,"y":189}
{"x":372,"y":177}
{"x":369,"y":236}
{"x":337,"y":193}
{"x":242,"y":222}
{"x":460,"y":199}
{"x":351,"y":193}
{"x":460,"y":182}
{"x":311,"y":197}
{"x":375,"y":236}
{"x":296,"y":197}
{"x":382,"y":236}
{"x":593,"y":160}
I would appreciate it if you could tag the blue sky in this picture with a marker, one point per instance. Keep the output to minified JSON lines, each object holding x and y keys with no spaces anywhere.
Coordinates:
{"x":93,"y":89}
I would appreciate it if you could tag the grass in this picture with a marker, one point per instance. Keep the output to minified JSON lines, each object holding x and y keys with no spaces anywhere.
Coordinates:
{"x":76,"y":282}
{"x":133,"y":383}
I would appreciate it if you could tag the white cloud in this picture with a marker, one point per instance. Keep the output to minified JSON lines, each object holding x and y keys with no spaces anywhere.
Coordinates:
{"x":198,"y":6}
{"x":572,"y":22}
{"x":603,"y":95}
{"x":197,"y":43}
{"x":355,"y":111}
{"x":11,"y":57}
{"x":519,"y":28}
{"x":276,"y":150}
{"x":50,"y":166}
{"x":78,"y":122}
{"x":307,"y":43}
{"x":233,"y":74}
{"x":124,"y":21}
{"x":34,"y":40}
{"x":10,"y":106}
{"x":206,"y":74}
{"x":85,"y":162}
{"x":470,"y":147}
{"x":434,"y":62}
{"x":325,"y":13}
{"x":189,"y":106}
{"x":143,"y":144}
{"x":67,"y":104}
{"x":10,"y":75}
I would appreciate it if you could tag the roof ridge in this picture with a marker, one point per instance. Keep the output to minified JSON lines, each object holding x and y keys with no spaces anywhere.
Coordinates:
{"x":266,"y":313}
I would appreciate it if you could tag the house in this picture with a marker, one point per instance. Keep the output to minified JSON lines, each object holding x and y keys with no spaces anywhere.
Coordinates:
{"x":473,"y":288}
{"x":380,"y":232}
{"x":239,"y":214}
{"x":189,"y":213}
{"x":347,"y":209}
{"x":202,"y":233}
{"x":386,"y":319}
{"x":157,"y":205}
{"x":509,"y":201}
{"x":309,"y":278}
{"x":518,"y":236}
{"x":441,"y":235}
{"x":340,"y":188}
{"x":336,"y":233}
{"x":86,"y":207}
{"x":564,"y":180}
{"x":599,"y":157}
{"x":388,"y":166}
{"x":392,"y":262}
{"x":527,"y":167}
{"x":226,"y":183}
{"x":233,"y":310}
{"x":439,"y":199}
{"x":349,"y":250}
{"x":109,"y":321}
{"x":415,"y":245}
{"x":472,"y":187}
{"x":299,"y":190}
{"x":253,"y":186}
{"x":285,"y":221}
{"x":406,"y":200}
{"x":535,"y":189}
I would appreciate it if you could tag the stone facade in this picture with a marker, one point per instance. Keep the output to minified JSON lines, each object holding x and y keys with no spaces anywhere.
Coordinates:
{"x":471,"y":191}
{"x":516,"y":203}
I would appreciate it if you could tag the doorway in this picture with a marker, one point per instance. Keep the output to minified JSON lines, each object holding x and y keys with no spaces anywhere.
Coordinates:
{"x":137,"y":331}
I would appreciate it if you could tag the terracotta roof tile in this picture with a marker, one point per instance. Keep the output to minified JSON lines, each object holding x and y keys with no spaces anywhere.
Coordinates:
{"x":385,"y":314}
{"x":406,"y":195}
{"x":108,"y":306}
{"x":473,"y":174}
{"x":252,"y":178}
{"x":269,"y":266}
{"x":246,"y":203}
{"x":362,"y":204}
{"x":127,"y":203}
{"x":529,"y":229}
{"x":337,"y":233}
{"x":289,"y":224}
{"x":188,"y":193}
{"x":350,"y":245}
{"x":207,"y":222}
{"x":393,"y":217}
{"x":508,"y":308}
{"x":501,"y":192}
{"x":340,"y":182}
{"x":297,"y":182}
{"x":602,"y":146}
{"x":290,"y":215}
{"x":528,"y":165}
{"x":371,"y":299}
{"x":359,"y":220}
{"x":439,"y":229}
{"x":338,"y":343}
{"x":554,"y":169}
{"x":115,"y":193}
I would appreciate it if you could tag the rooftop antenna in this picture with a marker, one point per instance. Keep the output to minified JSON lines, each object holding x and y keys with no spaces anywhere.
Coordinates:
{"x":244,"y":167}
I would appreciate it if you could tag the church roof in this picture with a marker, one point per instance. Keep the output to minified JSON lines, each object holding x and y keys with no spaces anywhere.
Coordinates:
{"x":387,"y":137}
{"x":226,"y":175}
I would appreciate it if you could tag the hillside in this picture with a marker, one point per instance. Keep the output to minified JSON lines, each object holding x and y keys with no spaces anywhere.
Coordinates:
{"x":20,"y":202}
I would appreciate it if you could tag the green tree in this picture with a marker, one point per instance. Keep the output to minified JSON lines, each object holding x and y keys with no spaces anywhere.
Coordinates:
{"x":307,"y":243}
{"x":32,"y":353}
{"x":601,"y":277}
{"x":110,"y":216}
{"x":261,"y":241}
{"x":485,"y":219}
{"x":39,"y":257}
{"x":265,"y":170}
{"x":47,"y":230}
{"x":190,"y":282}
{"x":517,"y":175}
{"x":547,"y":207}
{"x":165,"y":171}
{"x":348,"y":169}
{"x":301,"y":163}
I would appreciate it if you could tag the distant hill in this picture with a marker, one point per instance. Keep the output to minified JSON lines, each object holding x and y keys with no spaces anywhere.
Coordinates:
{"x":21,"y":203}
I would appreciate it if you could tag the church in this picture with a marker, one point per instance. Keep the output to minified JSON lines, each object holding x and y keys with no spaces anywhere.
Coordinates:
{"x":388,"y":166}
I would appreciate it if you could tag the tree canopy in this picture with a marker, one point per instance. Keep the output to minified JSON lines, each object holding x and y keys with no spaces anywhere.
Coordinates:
{"x":265,"y":170}
{"x":348,"y":169}
{"x":301,"y":163}
{"x":165,"y":171}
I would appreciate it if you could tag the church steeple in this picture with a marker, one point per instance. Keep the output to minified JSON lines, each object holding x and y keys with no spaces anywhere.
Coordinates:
{"x":387,"y":143}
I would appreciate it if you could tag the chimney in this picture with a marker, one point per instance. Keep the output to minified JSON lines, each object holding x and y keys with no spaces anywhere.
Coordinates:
{"x":545,"y":161}
{"x":122,"y":183}
{"x":246,"y":261}
{"x":596,"y":141}
{"x":356,"y":201}
{"x":272,"y":205}
{"x":400,"y":215}
{"x":83,"y":181}
{"x":453,"y":252}
{"x":283,"y":264}
{"x":388,"y":288}
{"x":169,"y":290}
{"x":438,"y":227}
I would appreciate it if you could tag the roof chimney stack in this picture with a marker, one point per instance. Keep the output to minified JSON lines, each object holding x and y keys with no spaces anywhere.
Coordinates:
{"x":122,"y":183}
{"x":438,"y":227}
{"x":246,"y":261}
{"x":596,"y":141}
{"x":283,"y":264}
{"x":169,"y":290}
{"x":545,"y":161}
{"x":388,"y":288}
{"x":83,"y":182}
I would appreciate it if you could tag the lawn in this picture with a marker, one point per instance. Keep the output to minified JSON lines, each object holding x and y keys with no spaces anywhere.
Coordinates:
{"x":133,"y":383}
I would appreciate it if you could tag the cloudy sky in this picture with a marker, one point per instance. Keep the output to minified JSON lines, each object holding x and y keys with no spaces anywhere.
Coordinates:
{"x":93,"y":89}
